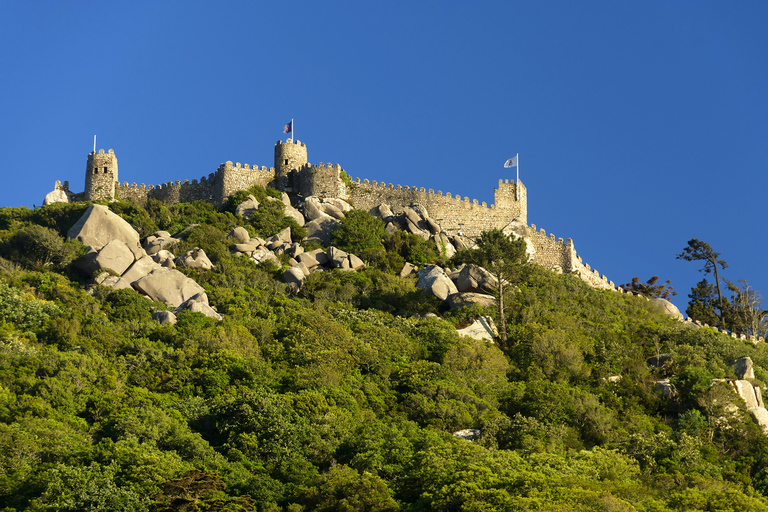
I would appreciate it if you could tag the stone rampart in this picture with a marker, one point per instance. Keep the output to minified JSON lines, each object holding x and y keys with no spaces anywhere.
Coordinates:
{"x":322,"y":180}
{"x":454,"y":214}
{"x":558,"y":255}
{"x":215,"y":188}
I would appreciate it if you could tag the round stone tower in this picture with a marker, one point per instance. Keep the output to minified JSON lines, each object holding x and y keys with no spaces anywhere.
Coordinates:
{"x":289,"y":156}
{"x":100,"y":175}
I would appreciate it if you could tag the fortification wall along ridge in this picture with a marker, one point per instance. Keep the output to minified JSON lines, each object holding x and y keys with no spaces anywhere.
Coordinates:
{"x":453,"y":213}
{"x":294,"y":174}
{"x":215,"y":188}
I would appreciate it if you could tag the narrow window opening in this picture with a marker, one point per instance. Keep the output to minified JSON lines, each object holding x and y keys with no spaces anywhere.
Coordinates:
{"x":286,"y":161}
{"x":105,"y":170}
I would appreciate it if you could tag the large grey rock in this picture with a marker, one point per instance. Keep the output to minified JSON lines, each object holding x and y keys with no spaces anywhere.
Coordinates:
{"x":408,"y":269}
{"x":284,"y":236}
{"x":432,"y":226}
{"x":201,"y":307}
{"x":355,"y":263}
{"x":321,"y":229}
{"x":338,"y":203}
{"x":295,"y":214}
{"x":482,"y":328}
{"x":760,"y":415}
{"x":115,"y":255}
{"x":239,"y":233}
{"x":307,"y":259}
{"x":198,"y":297}
{"x":160,"y":243}
{"x":476,"y":279}
{"x":168,"y":286}
{"x":247,"y":208}
{"x":164,"y":258}
{"x":320,"y":256}
{"x":58,"y":196}
{"x":312,"y":210}
{"x":115,"y":282}
{"x":294,"y":275}
{"x":443,"y":244}
{"x":415,"y":229}
{"x":667,"y":308}
{"x":383,"y":211}
{"x":196,"y":258}
{"x":461,"y":242}
{"x":412,"y":216}
{"x":140,"y":268}
{"x":744,"y":368}
{"x":338,"y":258}
{"x":464,"y":299}
{"x":332,"y":210}
{"x":263,"y":255}
{"x":433,"y":279}
{"x":746,"y":391}
{"x":164,"y":317}
{"x":99,"y":225}
{"x":516,"y":227}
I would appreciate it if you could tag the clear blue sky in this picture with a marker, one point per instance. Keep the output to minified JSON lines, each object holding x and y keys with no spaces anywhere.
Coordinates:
{"x":639,"y":125}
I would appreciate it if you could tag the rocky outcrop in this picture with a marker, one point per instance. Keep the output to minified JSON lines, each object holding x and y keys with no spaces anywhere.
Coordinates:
{"x":434,"y":280}
{"x":99,"y":225}
{"x":466,"y":299}
{"x":483,"y":328}
{"x":168,"y":286}
{"x":744,"y":368}
{"x":196,"y":258}
{"x":476,"y":279}
{"x":667,"y":308}
{"x":247,"y":208}
{"x":116,"y":255}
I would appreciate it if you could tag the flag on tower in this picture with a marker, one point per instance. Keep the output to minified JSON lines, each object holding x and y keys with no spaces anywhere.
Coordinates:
{"x":512,"y":162}
{"x":288,"y":128}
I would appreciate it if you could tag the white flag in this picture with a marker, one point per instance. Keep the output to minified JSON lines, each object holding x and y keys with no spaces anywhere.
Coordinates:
{"x":512,"y":162}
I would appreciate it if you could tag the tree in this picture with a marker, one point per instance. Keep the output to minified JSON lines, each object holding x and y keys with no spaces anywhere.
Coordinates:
{"x":504,"y":257}
{"x":358,"y":231}
{"x":702,"y":251}
{"x":702,"y":305}
{"x":650,"y":288}
{"x":747,"y":310}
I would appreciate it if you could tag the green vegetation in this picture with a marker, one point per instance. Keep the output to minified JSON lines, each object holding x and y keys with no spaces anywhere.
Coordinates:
{"x":345,"y":395}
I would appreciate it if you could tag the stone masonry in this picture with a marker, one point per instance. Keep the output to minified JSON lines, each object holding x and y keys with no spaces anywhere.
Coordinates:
{"x":292,"y":173}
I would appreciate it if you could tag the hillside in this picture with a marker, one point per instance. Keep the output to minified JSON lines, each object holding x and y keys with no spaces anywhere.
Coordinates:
{"x":345,"y":393}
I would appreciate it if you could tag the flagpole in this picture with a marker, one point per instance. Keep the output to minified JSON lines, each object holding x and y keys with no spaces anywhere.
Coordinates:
{"x":517,"y":182}
{"x":94,"y":143}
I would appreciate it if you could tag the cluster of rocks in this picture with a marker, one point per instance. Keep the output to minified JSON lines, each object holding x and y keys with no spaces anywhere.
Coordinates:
{"x":743,"y":385}
{"x":416,"y":220}
{"x":302,"y":263}
{"x":116,"y":258}
{"x":460,"y":287}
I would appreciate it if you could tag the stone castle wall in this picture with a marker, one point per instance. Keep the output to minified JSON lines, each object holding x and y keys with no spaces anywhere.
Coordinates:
{"x":215,"y":188}
{"x":292,"y":173}
{"x":558,"y":255}
{"x":453,"y":213}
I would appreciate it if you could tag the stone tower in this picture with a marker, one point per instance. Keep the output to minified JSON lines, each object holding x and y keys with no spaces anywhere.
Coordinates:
{"x":512,"y":197}
{"x":289,"y":156}
{"x":100,"y":175}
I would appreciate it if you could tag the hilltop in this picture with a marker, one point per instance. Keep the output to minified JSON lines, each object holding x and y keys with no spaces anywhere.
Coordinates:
{"x":354,"y":390}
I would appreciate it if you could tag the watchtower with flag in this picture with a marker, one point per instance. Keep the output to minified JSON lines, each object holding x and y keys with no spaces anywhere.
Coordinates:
{"x":289,"y":156}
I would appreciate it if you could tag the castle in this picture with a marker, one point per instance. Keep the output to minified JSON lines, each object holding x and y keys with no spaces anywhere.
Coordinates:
{"x":292,"y":173}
